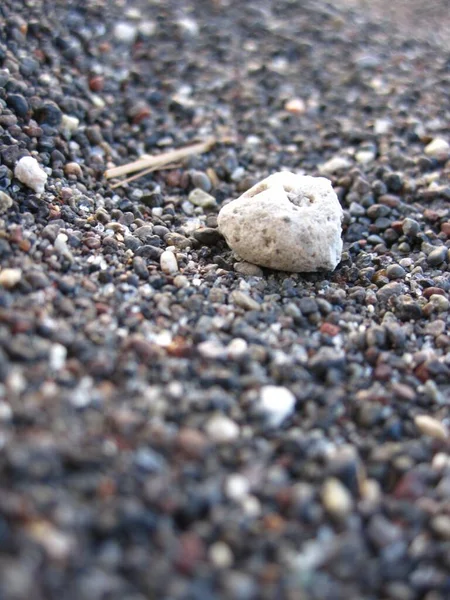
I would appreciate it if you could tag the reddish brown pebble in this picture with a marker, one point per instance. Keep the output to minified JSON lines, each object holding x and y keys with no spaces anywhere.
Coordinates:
{"x":433,"y":290}
{"x":329,"y":329}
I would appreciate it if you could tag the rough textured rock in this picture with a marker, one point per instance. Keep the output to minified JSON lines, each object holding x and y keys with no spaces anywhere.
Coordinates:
{"x":29,"y":172}
{"x":286,"y":222}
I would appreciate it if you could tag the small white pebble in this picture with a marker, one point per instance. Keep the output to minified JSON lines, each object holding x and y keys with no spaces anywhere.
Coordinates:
{"x":364,"y":156}
{"x":221,"y":429}
{"x":438,"y":148}
{"x":125,"y":32}
{"x":212,"y":349}
{"x":440,"y":461}
{"x":168,"y":262}
{"x":295,"y":106}
{"x":5,"y":202}
{"x":251,"y":506}
{"x":336,"y":498}
{"x":277,"y":403}
{"x":10,"y":277}
{"x":236,"y":487}
{"x":431,"y":426}
{"x":220,"y":555}
{"x":237,"y":348}
{"x":69,"y":123}
{"x":337,"y":163}
{"x":29,"y":172}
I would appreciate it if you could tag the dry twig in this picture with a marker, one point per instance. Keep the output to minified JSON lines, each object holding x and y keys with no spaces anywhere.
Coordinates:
{"x":160,"y":161}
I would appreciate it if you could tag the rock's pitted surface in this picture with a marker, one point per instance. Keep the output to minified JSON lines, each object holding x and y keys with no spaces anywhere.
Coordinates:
{"x":286,"y":222}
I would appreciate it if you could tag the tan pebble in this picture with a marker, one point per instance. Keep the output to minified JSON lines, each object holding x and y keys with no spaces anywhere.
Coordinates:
{"x":295,"y":106}
{"x":441,"y":526}
{"x":431,"y":426}
{"x":73,"y":168}
{"x":336,"y":498}
{"x":244,"y":301}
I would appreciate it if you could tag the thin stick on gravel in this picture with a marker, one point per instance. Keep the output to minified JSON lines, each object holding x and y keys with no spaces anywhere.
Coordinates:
{"x":159,"y":161}
{"x":145,"y":172}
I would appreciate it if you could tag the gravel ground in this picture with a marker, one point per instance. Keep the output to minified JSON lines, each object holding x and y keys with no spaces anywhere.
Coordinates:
{"x":149,"y":442}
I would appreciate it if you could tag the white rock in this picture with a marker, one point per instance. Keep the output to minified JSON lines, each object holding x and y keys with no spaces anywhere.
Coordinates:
{"x":236,"y":486}
{"x":438,"y":148}
{"x":287,"y":222}
{"x":69,"y":123}
{"x":221,"y":429}
{"x":382,"y":126}
{"x":10,"y":277}
{"x":295,"y":106}
{"x":220,"y":555}
{"x":277,"y":403}
{"x":365,"y":156}
{"x":338,"y":163}
{"x":125,"y":32}
{"x":29,"y":172}
{"x":168,"y":261}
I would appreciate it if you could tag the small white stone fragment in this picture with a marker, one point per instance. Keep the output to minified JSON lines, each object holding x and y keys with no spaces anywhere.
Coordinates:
{"x":295,"y":106}
{"x":277,"y":403}
{"x":5,"y":202}
{"x":29,"y":172}
{"x":286,"y":222}
{"x":431,"y":426}
{"x":382,"y":126}
{"x":338,"y":163}
{"x":237,"y":348}
{"x":244,"y":300}
{"x":168,"y":261}
{"x":199,"y":197}
{"x":221,"y":429}
{"x":438,"y":148}
{"x":125,"y":32}
{"x":220,"y":555}
{"x":236,"y":487}
{"x":69,"y":123}
{"x":10,"y":277}
{"x":336,"y":498}
{"x":364,"y":156}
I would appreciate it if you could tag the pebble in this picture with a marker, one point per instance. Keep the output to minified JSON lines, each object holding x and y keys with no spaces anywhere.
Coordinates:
{"x":29,"y":172}
{"x":395,"y":272}
{"x":410,"y":227}
{"x":10,"y":277}
{"x":334,"y":165}
{"x":441,"y":526}
{"x":69,"y":123}
{"x":437,"y":256}
{"x":246,"y":268}
{"x":336,"y":498}
{"x":168,"y":261}
{"x":221,"y":555}
{"x":221,"y":429}
{"x":286,"y":222}
{"x":199,"y":197}
{"x":5,"y":202}
{"x":295,"y":106}
{"x":244,"y":300}
{"x":431,"y":426}
{"x":276,"y":403}
{"x":438,"y":148}
{"x":125,"y":32}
